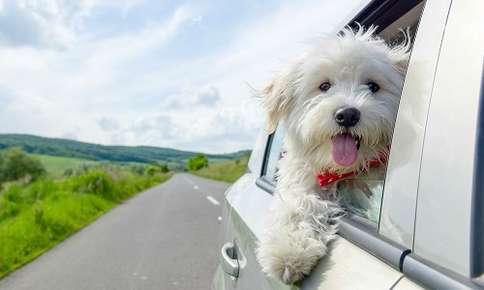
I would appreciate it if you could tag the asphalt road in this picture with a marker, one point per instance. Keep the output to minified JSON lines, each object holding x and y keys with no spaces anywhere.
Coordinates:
{"x":165,"y":238}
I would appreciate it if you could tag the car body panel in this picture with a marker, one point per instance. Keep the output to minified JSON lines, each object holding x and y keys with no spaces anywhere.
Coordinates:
{"x":407,"y":284}
{"x":442,"y":233}
{"x":401,"y":183}
{"x":250,"y":202}
{"x":349,"y":267}
{"x":247,"y":210}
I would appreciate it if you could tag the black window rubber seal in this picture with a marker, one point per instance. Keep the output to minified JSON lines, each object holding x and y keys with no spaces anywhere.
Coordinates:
{"x":477,"y":213}
{"x":382,"y":13}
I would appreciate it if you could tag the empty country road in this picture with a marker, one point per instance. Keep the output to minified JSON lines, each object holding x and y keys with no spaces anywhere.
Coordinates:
{"x":165,"y":238}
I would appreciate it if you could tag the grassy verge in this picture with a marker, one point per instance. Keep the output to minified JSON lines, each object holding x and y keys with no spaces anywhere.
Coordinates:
{"x":56,"y":166}
{"x":35,"y":217}
{"x":228,"y":171}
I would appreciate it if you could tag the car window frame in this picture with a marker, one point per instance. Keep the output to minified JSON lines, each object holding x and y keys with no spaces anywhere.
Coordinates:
{"x":262,"y":181}
{"x":477,"y":215}
{"x":267,"y":152}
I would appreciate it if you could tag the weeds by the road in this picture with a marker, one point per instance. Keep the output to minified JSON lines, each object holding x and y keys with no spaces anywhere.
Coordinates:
{"x":228,"y":171}
{"x":35,"y":217}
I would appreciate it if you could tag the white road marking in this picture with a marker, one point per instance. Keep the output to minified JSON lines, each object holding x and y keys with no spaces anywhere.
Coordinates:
{"x":213,"y":200}
{"x":209,"y":197}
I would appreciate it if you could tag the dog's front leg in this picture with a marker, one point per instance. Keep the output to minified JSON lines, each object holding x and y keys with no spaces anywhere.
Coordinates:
{"x":300,"y":226}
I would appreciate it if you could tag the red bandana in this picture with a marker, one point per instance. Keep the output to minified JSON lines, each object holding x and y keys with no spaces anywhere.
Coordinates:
{"x":326,"y":178}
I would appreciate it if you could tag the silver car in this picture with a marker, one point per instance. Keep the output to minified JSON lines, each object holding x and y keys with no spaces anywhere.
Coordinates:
{"x":428,"y":231}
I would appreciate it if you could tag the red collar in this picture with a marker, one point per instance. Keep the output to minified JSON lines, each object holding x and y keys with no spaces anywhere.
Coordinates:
{"x":326,"y":178}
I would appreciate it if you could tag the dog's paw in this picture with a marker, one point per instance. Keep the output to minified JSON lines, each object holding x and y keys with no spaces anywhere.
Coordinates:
{"x":293,"y":267}
{"x":290,"y":260}
{"x":291,"y":276}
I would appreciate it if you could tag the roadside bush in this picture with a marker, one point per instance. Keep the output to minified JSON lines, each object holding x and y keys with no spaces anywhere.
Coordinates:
{"x":138,"y":169}
{"x":164,"y":168}
{"x":40,"y":189}
{"x":68,"y":172}
{"x":156,"y":168}
{"x":15,"y":164}
{"x":95,"y":182}
{"x":197,"y":162}
{"x":13,"y":193}
{"x":152,"y":170}
{"x":8,"y":209}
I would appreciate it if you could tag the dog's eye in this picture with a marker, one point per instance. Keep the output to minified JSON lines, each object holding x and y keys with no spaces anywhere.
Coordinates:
{"x":324,"y":87}
{"x":374,"y":87}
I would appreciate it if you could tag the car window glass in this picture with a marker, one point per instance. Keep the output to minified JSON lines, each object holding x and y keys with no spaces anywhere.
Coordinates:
{"x":275,"y":153}
{"x":362,"y":195}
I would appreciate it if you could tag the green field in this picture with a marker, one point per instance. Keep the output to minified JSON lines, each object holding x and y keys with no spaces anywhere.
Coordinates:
{"x":228,"y":171}
{"x":56,"y":166}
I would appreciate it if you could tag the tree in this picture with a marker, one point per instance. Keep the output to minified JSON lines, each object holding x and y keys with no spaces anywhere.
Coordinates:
{"x":155,"y":168}
{"x":152,"y":170}
{"x":197,"y":162}
{"x":164,"y":168}
{"x":16,"y":164}
{"x":2,"y":168}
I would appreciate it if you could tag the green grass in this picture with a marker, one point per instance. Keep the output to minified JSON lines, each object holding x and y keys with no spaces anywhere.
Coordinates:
{"x":56,"y":166}
{"x":228,"y":171}
{"x":35,"y":217}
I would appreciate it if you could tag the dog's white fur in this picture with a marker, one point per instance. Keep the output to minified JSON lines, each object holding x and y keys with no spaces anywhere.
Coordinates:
{"x":303,"y":219}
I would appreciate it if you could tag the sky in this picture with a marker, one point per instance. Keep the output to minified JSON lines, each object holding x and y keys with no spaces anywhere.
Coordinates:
{"x":180,"y":74}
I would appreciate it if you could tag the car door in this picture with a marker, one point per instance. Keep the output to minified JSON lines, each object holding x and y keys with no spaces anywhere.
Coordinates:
{"x":368,"y":254}
{"x":447,"y":244}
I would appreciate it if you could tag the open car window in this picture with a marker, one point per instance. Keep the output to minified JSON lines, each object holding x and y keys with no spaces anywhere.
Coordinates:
{"x":361,"y":195}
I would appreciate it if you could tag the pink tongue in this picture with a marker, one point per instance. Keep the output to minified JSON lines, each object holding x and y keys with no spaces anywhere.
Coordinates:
{"x":344,"y":149}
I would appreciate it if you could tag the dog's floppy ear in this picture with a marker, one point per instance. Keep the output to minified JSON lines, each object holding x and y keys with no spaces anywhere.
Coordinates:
{"x":400,"y":54}
{"x":277,"y":97}
{"x":400,"y":61}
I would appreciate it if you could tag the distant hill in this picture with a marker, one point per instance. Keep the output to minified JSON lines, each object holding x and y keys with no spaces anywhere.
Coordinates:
{"x":70,"y":148}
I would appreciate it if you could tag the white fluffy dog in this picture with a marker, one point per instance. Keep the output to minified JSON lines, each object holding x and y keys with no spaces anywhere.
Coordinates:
{"x":338,"y":104}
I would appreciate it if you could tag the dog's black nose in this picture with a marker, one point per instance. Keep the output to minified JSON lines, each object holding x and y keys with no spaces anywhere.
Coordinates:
{"x":347,"y":117}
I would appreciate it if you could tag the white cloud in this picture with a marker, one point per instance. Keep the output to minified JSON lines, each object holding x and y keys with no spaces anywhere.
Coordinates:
{"x":209,"y":96}
{"x":50,"y":23}
{"x":121,"y":90}
{"x":108,"y":124}
{"x":55,"y":91}
{"x":41,"y":23}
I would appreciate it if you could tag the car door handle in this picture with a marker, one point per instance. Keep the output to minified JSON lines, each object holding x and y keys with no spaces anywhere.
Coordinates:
{"x":229,"y":261}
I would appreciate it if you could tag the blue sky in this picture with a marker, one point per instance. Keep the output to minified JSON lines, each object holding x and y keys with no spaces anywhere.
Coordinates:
{"x":140,"y":72}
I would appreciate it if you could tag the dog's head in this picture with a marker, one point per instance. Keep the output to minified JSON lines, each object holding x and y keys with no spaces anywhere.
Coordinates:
{"x":339,"y":100}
